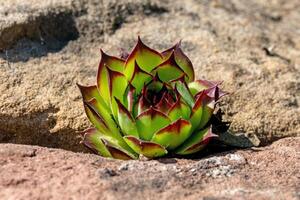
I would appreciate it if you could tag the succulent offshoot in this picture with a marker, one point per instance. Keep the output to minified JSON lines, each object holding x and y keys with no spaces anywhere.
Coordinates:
{"x":148,"y":104}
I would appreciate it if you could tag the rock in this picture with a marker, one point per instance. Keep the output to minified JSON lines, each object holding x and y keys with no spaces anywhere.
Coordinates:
{"x":252,"y":46}
{"x":262,"y":173}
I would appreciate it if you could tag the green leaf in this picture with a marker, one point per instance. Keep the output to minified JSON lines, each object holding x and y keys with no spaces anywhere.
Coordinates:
{"x":150,"y":121}
{"x":103,"y":83}
{"x":108,"y":128}
{"x":130,"y":97}
{"x":182,"y":60}
{"x":113,"y":63}
{"x":146,"y":58}
{"x":179,"y":110}
{"x":196,"y":114}
{"x":196,"y":87}
{"x":206,"y":115}
{"x":155,"y":84}
{"x":173,"y":135}
{"x":95,"y":118}
{"x":91,"y":92}
{"x":146,"y":148}
{"x":196,"y":142}
{"x":98,"y":110}
{"x":117,"y":88}
{"x":118,"y":153}
{"x":207,"y":98}
{"x":92,"y":139}
{"x":168,"y":70}
{"x":184,"y":91}
{"x":126,"y":122}
{"x":213,"y":87}
{"x":140,"y":78}
{"x":164,"y":105}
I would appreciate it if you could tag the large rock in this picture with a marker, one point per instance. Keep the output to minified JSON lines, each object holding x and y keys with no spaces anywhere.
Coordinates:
{"x":31,"y":172}
{"x":48,"y":46}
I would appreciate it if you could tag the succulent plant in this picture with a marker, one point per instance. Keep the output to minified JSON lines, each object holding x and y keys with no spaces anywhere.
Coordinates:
{"x":147,"y":103}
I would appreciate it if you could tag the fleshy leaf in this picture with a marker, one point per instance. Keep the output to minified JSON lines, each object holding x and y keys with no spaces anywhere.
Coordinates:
{"x":201,"y":84}
{"x":182,"y":60}
{"x":126,"y":122}
{"x":184,"y":91}
{"x":90,"y":92}
{"x":92,"y":139}
{"x":119,"y":153}
{"x":117,"y":87}
{"x":196,"y":142}
{"x":168,"y":70}
{"x":150,"y":121}
{"x":146,"y":58}
{"x":179,"y":110}
{"x":140,"y":78}
{"x":95,"y":118}
{"x":155,"y":84}
{"x":109,"y":130}
{"x":98,"y":110}
{"x":164,"y":105}
{"x":115,"y":64}
{"x":129,"y":97}
{"x":173,"y":135}
{"x":196,"y":114}
{"x":143,"y":104}
{"x":207,"y":98}
{"x":146,"y":148}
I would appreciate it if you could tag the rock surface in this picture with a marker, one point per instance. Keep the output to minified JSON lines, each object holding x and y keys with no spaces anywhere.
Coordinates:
{"x":48,"y":46}
{"x":31,"y":172}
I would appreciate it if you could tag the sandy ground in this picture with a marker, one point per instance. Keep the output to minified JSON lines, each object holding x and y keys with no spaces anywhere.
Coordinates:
{"x":46,"y":47}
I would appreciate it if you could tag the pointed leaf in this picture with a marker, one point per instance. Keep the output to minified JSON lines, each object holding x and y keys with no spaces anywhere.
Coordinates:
{"x":173,"y":135}
{"x":103,"y":83}
{"x":150,"y":121}
{"x":95,"y":119}
{"x":164,"y":105}
{"x":130,"y":97}
{"x":92,"y":139}
{"x":126,"y":122}
{"x":155,"y":84}
{"x":196,"y":114}
{"x":179,"y":110}
{"x":201,"y":84}
{"x":196,"y":142}
{"x":90,"y":92}
{"x":108,"y":128}
{"x":142,"y":105}
{"x":114,"y":63}
{"x":146,"y":58}
{"x":207,"y":98}
{"x":146,"y":148}
{"x":98,"y":110}
{"x":182,"y":60}
{"x":117,"y":88}
{"x":119,"y":153}
{"x":184,"y":91}
{"x":168,"y":70}
{"x":140,"y":78}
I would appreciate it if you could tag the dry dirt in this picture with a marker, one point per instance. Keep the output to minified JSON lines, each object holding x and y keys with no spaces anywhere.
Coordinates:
{"x":31,"y":172}
{"x":46,"y":47}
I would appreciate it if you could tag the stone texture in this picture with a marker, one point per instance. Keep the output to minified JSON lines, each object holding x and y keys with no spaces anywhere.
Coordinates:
{"x":31,"y":172}
{"x":48,"y":46}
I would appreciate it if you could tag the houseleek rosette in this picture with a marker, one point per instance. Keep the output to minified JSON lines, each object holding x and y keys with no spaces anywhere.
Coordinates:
{"x":148,"y":104}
